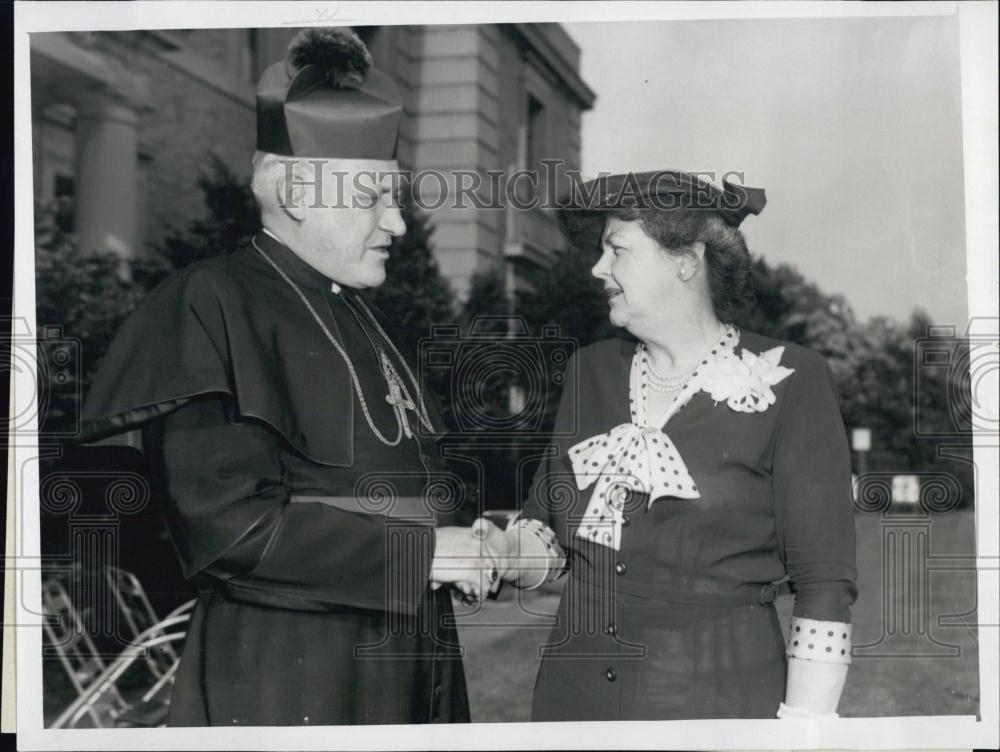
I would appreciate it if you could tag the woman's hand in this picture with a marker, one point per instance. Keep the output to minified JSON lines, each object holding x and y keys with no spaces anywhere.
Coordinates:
{"x":463,"y":559}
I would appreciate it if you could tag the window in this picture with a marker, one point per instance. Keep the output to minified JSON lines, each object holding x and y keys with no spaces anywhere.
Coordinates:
{"x":535,"y":137}
{"x":251,"y":64}
{"x":536,"y":132}
{"x":62,"y":192}
{"x":62,"y":185}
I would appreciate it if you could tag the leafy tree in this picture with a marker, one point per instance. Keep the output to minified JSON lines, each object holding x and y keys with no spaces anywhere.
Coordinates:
{"x":487,"y":308}
{"x":566,"y":294}
{"x":485,"y":314}
{"x":882,"y":383}
{"x":84,"y":295}
{"x":415,"y":296}
{"x":232,"y":218}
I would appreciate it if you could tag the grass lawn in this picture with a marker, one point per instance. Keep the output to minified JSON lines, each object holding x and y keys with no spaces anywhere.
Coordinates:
{"x":913,"y":663}
{"x":907,"y":660}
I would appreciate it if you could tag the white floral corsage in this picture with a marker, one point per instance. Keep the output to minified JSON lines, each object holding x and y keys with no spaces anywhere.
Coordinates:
{"x":744,"y":381}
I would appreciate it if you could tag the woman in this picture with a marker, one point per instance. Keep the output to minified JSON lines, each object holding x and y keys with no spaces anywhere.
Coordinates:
{"x":691,"y":470}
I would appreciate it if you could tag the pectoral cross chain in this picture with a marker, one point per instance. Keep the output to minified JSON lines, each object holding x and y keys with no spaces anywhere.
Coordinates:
{"x":397,"y":396}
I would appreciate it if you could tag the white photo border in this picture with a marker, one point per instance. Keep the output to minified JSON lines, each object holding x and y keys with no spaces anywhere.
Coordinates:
{"x":978,"y":40}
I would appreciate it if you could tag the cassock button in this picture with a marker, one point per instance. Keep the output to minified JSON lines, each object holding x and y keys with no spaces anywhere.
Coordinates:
{"x":621,"y":568}
{"x":611,"y":674}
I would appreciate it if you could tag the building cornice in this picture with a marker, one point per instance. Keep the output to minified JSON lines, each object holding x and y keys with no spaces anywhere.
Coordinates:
{"x":211,"y":74}
{"x":567,"y":74}
{"x":78,"y":71}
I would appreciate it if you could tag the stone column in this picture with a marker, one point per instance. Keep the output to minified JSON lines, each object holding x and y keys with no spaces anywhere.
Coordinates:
{"x":107,"y":172}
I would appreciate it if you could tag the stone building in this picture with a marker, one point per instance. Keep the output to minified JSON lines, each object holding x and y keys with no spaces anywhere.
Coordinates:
{"x":125,"y":122}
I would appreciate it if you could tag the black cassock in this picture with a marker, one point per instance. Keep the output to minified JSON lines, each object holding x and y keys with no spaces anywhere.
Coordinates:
{"x":307,"y":613}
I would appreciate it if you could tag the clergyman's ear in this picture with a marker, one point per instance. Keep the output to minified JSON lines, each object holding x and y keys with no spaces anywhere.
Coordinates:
{"x":290,"y":189}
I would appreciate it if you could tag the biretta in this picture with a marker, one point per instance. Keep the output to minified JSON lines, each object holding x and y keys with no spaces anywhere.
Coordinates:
{"x":327,"y":100}
{"x":583,"y":211}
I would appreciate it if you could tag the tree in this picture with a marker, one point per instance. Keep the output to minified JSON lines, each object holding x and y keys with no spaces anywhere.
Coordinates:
{"x":488,"y":303}
{"x":415,"y":296}
{"x":232,"y":218}
{"x":567,"y":295}
{"x":85,"y":295}
{"x":881,"y":381}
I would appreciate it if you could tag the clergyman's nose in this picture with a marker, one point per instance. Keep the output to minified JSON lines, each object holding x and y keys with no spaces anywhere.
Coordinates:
{"x":392,"y":222}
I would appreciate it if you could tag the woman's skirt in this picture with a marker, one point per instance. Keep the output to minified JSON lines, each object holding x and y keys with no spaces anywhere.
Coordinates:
{"x":614,"y":656}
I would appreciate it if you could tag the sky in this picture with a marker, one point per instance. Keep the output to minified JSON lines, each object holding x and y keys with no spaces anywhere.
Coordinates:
{"x":853,"y":127}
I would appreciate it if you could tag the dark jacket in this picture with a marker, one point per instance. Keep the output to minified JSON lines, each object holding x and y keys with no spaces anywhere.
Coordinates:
{"x":308,"y":614}
{"x":678,"y":623}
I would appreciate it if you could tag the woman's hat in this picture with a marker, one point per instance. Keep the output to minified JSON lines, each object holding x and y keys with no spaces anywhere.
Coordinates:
{"x":582,"y":213}
{"x":327,"y":101}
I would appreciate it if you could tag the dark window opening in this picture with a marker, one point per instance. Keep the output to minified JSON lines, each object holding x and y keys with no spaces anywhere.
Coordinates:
{"x":535,"y":139}
{"x":63,"y":187}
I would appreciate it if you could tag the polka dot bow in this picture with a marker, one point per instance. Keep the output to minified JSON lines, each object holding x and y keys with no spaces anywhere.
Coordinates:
{"x":636,"y":457}
{"x":628,"y":458}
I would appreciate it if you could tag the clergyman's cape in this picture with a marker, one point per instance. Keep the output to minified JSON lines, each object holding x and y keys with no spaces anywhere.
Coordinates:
{"x":230,"y":325}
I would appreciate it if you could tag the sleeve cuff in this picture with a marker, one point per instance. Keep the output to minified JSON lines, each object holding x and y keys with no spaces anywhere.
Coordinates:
{"x":539,"y":557}
{"x":824,"y":641}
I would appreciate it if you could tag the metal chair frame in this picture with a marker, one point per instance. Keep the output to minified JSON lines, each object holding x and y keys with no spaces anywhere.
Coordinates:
{"x":56,"y":604}
{"x":138,"y":614}
{"x":103,"y":692}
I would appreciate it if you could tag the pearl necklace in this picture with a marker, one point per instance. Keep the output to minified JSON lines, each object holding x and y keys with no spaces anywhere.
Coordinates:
{"x":666,"y":389}
{"x":675,"y":381}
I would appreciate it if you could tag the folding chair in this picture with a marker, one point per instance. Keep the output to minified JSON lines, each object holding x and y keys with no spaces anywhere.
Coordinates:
{"x":68,"y":637}
{"x":106,"y":705}
{"x":138,"y":615}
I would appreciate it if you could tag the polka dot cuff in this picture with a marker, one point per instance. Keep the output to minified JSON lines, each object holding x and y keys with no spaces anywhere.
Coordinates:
{"x":814,"y":640}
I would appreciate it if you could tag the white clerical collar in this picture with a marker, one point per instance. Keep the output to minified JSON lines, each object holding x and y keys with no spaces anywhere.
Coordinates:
{"x":334,"y":287}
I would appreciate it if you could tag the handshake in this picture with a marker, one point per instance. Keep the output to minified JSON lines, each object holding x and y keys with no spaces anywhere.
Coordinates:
{"x":472,"y":559}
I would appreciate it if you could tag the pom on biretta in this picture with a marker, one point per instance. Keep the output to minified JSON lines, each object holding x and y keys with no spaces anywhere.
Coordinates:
{"x":328,"y":100}
{"x":582,"y":212}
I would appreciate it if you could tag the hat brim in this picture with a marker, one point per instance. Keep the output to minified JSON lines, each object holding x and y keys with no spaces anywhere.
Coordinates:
{"x":581,"y":221}
{"x":582,"y":228}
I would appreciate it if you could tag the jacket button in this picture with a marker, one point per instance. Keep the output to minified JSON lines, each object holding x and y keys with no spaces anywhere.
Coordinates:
{"x":611,"y":674}
{"x":626,"y":520}
{"x":612,"y":629}
{"x":620,"y":568}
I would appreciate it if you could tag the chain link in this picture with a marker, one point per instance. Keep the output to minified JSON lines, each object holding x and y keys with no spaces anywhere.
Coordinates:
{"x":421,"y":410}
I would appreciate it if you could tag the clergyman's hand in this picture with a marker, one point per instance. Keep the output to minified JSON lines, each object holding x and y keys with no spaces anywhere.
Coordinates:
{"x":464,"y":560}
{"x":498,"y":545}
